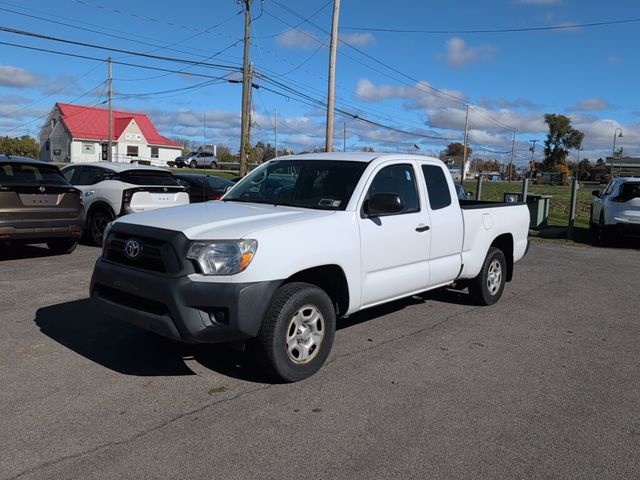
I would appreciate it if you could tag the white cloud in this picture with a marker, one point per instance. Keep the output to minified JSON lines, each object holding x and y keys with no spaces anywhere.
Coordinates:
{"x":460,"y":54}
{"x":419,"y":95}
{"x":358,"y":39}
{"x":16,"y":77}
{"x":590,"y":105}
{"x":297,"y":38}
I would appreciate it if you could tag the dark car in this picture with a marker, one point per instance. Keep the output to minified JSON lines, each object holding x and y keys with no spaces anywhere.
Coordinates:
{"x":202,"y":188}
{"x":38,"y":205}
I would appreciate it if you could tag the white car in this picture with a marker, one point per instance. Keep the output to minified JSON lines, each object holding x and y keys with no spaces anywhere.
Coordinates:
{"x":110,"y":190}
{"x":277,"y":262}
{"x":616,"y":209}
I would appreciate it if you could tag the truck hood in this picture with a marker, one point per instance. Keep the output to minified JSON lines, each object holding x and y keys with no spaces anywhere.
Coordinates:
{"x":221,"y":220}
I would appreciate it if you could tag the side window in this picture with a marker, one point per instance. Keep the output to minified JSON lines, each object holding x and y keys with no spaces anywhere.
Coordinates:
{"x":609,"y":188}
{"x":68,"y":173}
{"x":437,"y":187}
{"x":398,"y":179}
{"x":90,"y":176}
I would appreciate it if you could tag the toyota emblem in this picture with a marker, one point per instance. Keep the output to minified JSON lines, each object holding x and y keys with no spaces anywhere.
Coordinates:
{"x":132,"y":249}
{"x":165,"y":189}
{"x":42,"y":189}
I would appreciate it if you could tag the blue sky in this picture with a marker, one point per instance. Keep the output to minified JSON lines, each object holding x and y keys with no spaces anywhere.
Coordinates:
{"x":412,"y":86}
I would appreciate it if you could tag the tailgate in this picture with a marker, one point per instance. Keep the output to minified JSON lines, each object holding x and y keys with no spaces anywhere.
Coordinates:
{"x":151,"y":198}
{"x":21,"y":202}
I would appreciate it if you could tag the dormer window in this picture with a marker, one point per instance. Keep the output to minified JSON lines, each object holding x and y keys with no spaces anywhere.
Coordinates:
{"x":54,"y":121}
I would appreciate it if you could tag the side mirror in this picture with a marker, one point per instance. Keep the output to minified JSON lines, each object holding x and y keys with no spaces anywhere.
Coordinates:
{"x":384,"y":204}
{"x":596,"y":193}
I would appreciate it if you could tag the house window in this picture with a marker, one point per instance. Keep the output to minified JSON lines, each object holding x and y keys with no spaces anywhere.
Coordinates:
{"x":88,"y":148}
{"x":155,"y":152}
{"x":132,"y":151}
{"x":54,"y":121}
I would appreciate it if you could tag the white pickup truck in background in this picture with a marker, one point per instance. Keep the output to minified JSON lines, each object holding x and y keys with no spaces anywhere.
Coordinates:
{"x":301,"y":241}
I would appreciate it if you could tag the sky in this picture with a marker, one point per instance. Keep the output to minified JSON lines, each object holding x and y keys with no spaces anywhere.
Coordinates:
{"x":405,"y":70}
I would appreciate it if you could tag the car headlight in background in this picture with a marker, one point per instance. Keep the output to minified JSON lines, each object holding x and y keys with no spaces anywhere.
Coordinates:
{"x":222,"y":257}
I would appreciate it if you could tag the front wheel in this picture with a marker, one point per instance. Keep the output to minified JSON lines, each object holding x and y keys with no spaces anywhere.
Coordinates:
{"x":487,"y":287}
{"x":297,"y":332}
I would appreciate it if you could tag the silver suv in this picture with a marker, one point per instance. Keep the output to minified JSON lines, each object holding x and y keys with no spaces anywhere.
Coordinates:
{"x":38,"y":205}
{"x":201,"y":160}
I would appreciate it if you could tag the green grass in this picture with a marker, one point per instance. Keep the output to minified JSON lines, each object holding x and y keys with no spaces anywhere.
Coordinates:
{"x":207,"y":171}
{"x":558,"y":204}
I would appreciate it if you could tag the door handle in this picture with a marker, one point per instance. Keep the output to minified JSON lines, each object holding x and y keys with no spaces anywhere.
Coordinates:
{"x":422,"y":228}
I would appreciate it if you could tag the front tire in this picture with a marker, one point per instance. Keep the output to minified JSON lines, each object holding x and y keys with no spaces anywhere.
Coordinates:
{"x":297,"y":332}
{"x":97,"y":223}
{"x":487,"y":287}
{"x":62,"y":246}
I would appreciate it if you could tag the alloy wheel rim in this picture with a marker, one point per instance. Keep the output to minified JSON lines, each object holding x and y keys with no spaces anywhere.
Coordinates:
{"x":305,"y":334}
{"x":494,"y":277}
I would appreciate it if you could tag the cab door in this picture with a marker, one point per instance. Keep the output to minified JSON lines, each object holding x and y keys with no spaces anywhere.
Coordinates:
{"x":394,"y":247}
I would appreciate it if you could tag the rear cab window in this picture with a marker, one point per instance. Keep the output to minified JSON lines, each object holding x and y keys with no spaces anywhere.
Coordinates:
{"x":437,"y":187}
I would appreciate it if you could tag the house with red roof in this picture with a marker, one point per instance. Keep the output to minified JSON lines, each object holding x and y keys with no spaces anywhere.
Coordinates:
{"x":75,"y":133}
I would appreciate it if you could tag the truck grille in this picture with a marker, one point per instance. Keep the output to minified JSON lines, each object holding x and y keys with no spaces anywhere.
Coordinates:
{"x":155,"y":255}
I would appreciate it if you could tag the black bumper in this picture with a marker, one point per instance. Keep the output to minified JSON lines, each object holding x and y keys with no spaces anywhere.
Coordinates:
{"x":627,"y":228}
{"x":40,"y":231}
{"x":178,"y":308}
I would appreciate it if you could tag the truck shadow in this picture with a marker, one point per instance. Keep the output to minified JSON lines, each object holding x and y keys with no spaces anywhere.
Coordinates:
{"x":15,"y":252}
{"x":129,"y":350}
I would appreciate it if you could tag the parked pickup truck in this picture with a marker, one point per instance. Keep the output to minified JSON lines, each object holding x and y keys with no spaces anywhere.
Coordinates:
{"x":274,"y":263}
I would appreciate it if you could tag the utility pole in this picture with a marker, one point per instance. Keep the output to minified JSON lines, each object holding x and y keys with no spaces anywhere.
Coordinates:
{"x":513,"y":146}
{"x":246,"y":87}
{"x":332,"y":76}
{"x":110,"y":120}
{"x":276,"y":133}
{"x":533,"y":150}
{"x":466,"y":138}
{"x":344,"y":136}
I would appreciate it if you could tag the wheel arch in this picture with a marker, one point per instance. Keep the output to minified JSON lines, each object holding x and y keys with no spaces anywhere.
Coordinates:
{"x":99,"y":205}
{"x":331,"y":279}
{"x":504,"y":242}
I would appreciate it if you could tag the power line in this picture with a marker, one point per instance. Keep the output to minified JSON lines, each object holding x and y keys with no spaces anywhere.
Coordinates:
{"x":496,"y":30}
{"x":305,"y":20}
{"x":118,"y":50}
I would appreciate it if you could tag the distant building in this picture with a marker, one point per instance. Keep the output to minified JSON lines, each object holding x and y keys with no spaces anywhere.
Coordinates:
{"x":619,"y":167}
{"x":74,"y":134}
{"x":454,"y":164}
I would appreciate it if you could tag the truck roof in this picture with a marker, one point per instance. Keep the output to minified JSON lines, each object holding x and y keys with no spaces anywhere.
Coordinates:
{"x":353,"y":156}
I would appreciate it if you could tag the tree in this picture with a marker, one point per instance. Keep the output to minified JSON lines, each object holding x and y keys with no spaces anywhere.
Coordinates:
{"x":224,"y":154}
{"x":367,"y":149}
{"x":561,"y":138}
{"x":24,"y":146}
{"x":584,"y":169}
{"x":456,"y":149}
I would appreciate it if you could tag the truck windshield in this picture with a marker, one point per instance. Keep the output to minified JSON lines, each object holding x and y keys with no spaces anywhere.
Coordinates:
{"x":317,"y":184}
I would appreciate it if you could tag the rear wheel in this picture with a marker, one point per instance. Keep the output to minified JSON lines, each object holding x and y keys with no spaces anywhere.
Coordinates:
{"x":213,"y":165}
{"x":297,"y":332}
{"x":62,"y":246}
{"x":98,"y":221}
{"x":487,"y":287}
{"x":193,"y":164}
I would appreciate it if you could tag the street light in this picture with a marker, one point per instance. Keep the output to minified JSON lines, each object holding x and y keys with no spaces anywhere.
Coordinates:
{"x":613,"y":153}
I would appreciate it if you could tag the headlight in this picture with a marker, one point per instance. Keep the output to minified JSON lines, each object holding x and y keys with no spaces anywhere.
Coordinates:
{"x":223,"y":257}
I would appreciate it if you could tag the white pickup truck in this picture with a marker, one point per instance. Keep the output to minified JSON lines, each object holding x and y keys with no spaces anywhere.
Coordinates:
{"x":301,"y":241}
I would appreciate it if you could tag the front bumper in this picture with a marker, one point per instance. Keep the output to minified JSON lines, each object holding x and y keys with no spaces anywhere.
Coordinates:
{"x":179,"y":308}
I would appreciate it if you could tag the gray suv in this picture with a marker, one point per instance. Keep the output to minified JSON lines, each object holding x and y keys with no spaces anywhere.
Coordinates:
{"x":38,"y":205}
{"x":197,"y":160}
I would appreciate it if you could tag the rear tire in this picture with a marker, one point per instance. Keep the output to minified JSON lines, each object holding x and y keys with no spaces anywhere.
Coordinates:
{"x":62,"y":246}
{"x":297,"y":332}
{"x":193,"y":164}
{"x":487,"y":287}
{"x":213,"y":165}
{"x":97,"y":223}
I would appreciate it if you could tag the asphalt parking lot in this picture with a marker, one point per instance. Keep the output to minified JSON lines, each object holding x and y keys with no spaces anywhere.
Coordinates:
{"x":545,"y":384}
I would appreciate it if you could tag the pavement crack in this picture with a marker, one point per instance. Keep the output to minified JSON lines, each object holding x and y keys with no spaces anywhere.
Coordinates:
{"x":136,"y":436}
